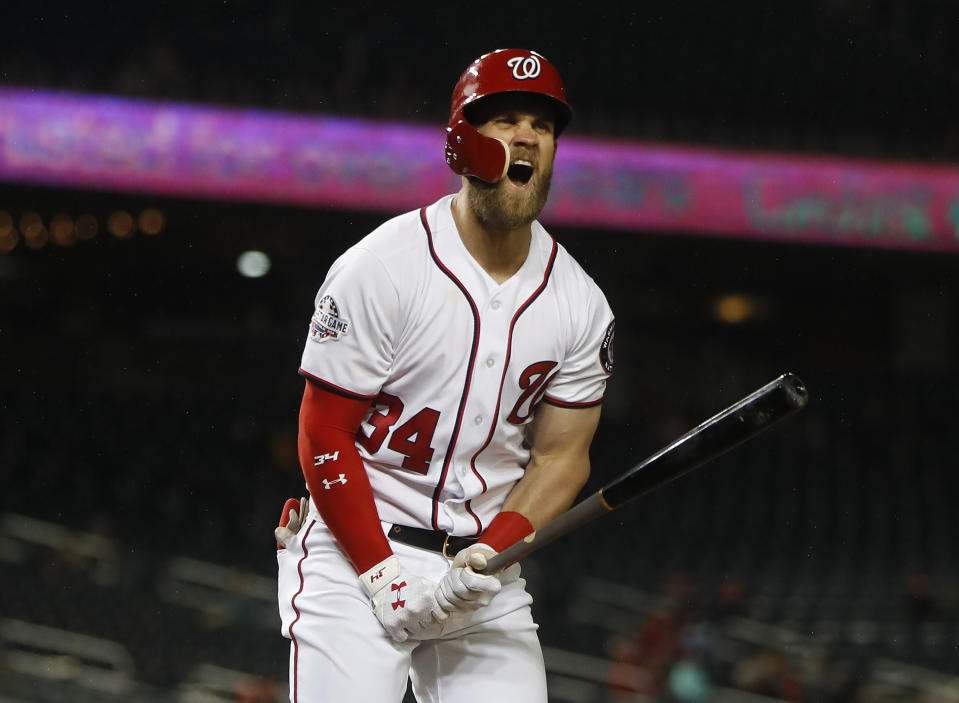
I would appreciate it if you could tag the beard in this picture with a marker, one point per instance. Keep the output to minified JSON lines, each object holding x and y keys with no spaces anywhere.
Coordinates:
{"x":498,"y":206}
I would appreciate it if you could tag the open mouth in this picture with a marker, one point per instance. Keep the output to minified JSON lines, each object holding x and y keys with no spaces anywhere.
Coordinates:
{"x":519,"y":172}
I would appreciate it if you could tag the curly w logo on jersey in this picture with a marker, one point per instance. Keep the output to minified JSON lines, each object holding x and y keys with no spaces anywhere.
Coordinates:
{"x":326,"y":322}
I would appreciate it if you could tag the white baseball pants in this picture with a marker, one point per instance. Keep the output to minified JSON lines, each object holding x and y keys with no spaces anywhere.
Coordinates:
{"x":339,"y":652}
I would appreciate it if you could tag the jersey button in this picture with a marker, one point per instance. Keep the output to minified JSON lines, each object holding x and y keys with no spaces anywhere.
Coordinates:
{"x":495,"y":305}
{"x":478,"y":419}
{"x":490,"y":362}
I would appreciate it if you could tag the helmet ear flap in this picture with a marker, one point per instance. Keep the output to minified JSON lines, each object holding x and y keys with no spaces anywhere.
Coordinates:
{"x":470,"y":153}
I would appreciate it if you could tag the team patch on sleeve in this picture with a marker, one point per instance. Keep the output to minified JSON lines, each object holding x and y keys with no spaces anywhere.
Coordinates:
{"x":326,"y":323}
{"x":606,"y":348}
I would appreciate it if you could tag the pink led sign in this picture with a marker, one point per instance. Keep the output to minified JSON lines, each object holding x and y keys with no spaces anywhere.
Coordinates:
{"x":206,"y":152}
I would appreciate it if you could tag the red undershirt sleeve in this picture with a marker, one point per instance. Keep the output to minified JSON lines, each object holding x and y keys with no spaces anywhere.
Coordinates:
{"x":507,"y":528}
{"x":336,"y":476}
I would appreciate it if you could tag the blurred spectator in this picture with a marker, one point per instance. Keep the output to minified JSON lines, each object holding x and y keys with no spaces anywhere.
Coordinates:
{"x":730,"y":598}
{"x":641,"y":663}
{"x":769,"y":673}
{"x":257,"y":690}
{"x":689,"y":682}
{"x":919,"y":601}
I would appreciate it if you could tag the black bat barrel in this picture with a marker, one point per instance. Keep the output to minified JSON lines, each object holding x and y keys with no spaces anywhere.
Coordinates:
{"x":743,"y":420}
{"x":717,"y":435}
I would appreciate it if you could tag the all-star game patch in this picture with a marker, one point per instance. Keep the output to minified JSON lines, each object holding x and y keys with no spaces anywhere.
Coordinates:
{"x":606,"y":348}
{"x":326,"y":323}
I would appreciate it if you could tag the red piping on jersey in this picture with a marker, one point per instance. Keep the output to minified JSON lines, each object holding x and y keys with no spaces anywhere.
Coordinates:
{"x":479,"y":525}
{"x":333,"y":388}
{"x":296,"y":645}
{"x":469,"y":369}
{"x":502,"y":381}
{"x":565,"y":404}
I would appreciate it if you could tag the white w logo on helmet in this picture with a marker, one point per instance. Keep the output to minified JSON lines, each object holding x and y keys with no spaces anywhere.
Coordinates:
{"x":524,"y":68}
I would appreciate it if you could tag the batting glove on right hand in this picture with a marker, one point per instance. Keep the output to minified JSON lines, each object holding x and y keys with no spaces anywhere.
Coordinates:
{"x":464,"y":588}
{"x":403,"y":602}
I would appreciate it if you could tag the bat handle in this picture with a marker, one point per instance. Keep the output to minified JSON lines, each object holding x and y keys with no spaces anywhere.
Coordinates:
{"x":578,"y":515}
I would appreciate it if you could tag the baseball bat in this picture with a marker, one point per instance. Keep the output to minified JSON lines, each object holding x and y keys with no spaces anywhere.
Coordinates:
{"x":739,"y":422}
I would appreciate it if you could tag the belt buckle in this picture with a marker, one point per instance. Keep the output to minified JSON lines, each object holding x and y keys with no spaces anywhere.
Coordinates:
{"x":446,"y":544}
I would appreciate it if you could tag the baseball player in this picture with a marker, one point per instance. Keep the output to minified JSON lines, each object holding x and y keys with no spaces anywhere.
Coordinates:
{"x":455,"y":366}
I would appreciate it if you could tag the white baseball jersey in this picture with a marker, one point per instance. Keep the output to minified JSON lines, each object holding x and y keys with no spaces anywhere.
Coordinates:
{"x":453,"y":362}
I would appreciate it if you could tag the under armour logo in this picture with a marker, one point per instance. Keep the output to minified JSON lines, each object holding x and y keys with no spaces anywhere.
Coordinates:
{"x":329,"y":484}
{"x":398,"y":587}
{"x":524,"y":68}
{"x":323,"y":458}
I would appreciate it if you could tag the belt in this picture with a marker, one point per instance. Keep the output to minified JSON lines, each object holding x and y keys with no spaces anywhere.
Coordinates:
{"x":433,"y":540}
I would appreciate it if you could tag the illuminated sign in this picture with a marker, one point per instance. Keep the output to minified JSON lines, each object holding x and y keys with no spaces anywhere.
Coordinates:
{"x":205,"y":152}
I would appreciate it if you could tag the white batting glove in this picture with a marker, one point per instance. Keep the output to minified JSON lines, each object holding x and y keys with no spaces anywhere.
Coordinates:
{"x":463,"y":588}
{"x":403,"y":602}
{"x":292,"y":519}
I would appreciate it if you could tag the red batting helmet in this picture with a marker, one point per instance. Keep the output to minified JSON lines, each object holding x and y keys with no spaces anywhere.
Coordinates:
{"x":470,"y":153}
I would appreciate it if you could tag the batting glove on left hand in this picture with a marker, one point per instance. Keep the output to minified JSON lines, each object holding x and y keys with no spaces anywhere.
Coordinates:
{"x":402,"y":601}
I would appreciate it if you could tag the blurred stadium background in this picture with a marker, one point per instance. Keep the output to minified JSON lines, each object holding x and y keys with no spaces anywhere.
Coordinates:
{"x":148,"y":387}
